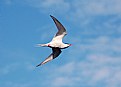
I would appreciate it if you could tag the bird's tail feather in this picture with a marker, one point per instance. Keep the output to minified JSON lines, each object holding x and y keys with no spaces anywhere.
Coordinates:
{"x":42,"y":45}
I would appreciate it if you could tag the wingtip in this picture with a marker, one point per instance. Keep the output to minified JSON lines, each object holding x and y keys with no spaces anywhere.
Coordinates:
{"x":38,"y":65}
{"x":52,"y":16}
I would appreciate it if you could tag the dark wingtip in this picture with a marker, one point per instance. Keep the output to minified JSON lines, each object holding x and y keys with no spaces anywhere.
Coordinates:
{"x":38,"y":65}
{"x":51,"y":16}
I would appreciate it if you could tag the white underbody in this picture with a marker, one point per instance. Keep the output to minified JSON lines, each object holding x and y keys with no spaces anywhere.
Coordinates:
{"x":56,"y":42}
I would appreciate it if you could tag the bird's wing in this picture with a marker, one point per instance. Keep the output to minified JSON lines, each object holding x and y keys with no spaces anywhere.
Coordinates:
{"x":61,"y":30}
{"x":56,"y":53}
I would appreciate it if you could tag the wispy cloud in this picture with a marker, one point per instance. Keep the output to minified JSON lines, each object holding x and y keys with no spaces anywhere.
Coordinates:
{"x":88,"y":6}
{"x":95,"y":58}
{"x":100,"y":65}
{"x":50,"y":6}
{"x":91,"y":17}
{"x":95,"y":7}
{"x":89,"y":73}
{"x":8,"y":2}
{"x":8,"y":68}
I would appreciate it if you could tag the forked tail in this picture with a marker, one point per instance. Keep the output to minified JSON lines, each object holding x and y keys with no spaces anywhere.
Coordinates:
{"x":42,"y":45}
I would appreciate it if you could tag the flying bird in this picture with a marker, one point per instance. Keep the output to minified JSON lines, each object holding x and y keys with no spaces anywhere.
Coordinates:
{"x":56,"y":43}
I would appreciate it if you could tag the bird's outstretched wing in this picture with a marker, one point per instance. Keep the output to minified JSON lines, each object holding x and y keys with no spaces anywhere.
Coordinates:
{"x":61,"y":30}
{"x":56,"y":52}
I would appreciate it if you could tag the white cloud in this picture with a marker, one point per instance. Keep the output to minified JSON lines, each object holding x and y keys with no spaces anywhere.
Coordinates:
{"x":8,"y":2}
{"x":13,"y":84}
{"x":115,"y":79}
{"x":61,"y":81}
{"x":89,"y":72}
{"x":99,"y":67}
{"x":102,"y":45}
{"x":68,"y":68}
{"x":50,"y":6}
{"x":8,"y":68}
{"x":54,"y":6}
{"x":75,"y":10}
{"x":101,"y":59}
{"x":90,"y":17}
{"x":97,"y":7}
{"x":95,"y":68}
{"x":87,"y":7}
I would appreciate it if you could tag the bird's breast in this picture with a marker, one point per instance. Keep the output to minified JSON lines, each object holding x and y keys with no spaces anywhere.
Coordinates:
{"x":56,"y":44}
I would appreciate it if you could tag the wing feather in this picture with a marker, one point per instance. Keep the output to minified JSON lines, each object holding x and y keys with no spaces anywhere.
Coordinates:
{"x":56,"y":52}
{"x":60,"y":27}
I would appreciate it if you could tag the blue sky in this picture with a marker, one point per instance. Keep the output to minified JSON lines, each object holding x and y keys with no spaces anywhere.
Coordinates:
{"x":94,"y":30}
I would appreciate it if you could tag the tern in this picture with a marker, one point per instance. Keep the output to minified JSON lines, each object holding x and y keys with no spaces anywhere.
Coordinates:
{"x":56,"y":43}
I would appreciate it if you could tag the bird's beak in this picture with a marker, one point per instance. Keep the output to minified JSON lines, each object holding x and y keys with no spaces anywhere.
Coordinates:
{"x":70,"y":44}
